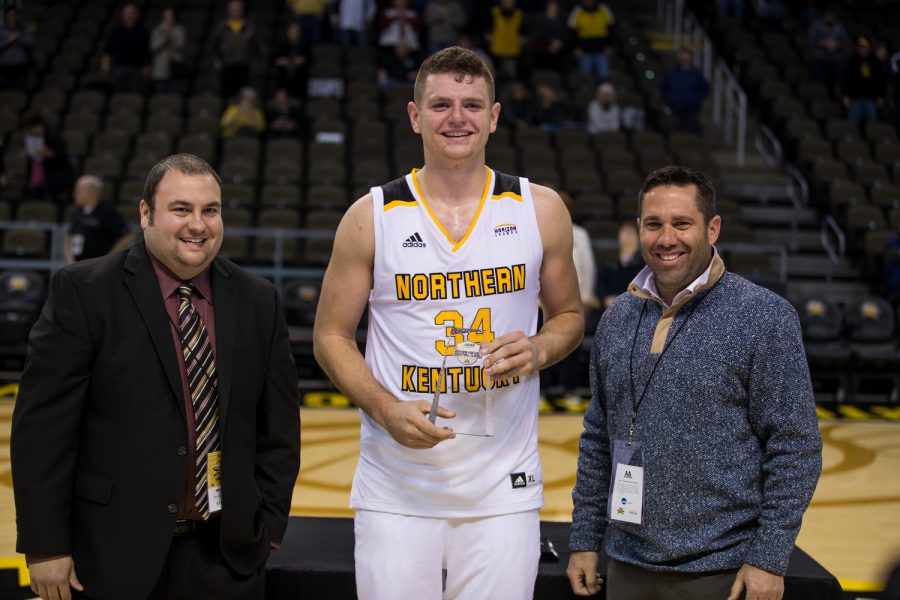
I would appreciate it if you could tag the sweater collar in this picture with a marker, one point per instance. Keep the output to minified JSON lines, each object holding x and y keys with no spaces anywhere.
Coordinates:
{"x":644,"y":286}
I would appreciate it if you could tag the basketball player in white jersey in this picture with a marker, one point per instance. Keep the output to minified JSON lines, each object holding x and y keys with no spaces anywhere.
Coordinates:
{"x":451,"y":256}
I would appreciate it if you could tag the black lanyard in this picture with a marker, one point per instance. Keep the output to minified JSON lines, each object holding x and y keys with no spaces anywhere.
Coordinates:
{"x":636,"y":405}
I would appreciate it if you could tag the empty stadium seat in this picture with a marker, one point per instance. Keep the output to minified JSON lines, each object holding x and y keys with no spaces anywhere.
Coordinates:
{"x":21,"y":297}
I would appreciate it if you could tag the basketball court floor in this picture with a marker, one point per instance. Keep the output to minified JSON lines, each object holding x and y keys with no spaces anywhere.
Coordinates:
{"x":852,"y":527}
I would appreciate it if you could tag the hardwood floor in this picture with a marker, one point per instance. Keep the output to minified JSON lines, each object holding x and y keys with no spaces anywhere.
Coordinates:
{"x":852,"y":527}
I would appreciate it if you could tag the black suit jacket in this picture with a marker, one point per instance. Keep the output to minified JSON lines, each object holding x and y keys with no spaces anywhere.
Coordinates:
{"x":99,"y":421}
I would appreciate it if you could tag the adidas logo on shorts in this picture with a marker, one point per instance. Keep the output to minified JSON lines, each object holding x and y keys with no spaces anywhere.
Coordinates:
{"x":414,"y":241}
{"x":518,"y":480}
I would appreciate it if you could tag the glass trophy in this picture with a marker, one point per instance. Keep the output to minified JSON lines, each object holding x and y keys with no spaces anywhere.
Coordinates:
{"x":462,"y":386}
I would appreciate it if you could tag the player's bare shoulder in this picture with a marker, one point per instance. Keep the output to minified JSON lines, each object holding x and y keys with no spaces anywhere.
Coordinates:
{"x":360,"y":212}
{"x":552,"y":216}
{"x":356,"y":232}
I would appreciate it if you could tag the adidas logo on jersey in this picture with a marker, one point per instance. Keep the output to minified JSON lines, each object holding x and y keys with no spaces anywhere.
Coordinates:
{"x":518,"y":480}
{"x":414,"y":241}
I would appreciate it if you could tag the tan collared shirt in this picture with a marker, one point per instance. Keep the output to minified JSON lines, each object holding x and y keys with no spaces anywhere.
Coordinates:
{"x":644,"y":286}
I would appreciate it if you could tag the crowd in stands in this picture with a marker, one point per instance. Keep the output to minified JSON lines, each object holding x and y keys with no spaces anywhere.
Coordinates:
{"x":514,"y":36}
{"x":264,"y":61}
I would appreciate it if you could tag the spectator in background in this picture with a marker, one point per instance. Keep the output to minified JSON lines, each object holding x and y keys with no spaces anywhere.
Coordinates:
{"x":126,"y":55}
{"x":292,"y":62}
{"x":234,"y":47}
{"x":48,"y":172}
{"x":519,"y":107}
{"x":613,"y":279}
{"x":552,"y":110}
{"x":603,"y":111}
{"x":399,"y":23}
{"x":683,"y":90}
{"x":310,"y":15}
{"x":863,"y":85}
{"x":565,"y":377}
{"x":592,"y":23}
{"x":15,"y":50}
{"x":399,"y":67}
{"x":283,"y":115}
{"x":352,"y":20}
{"x":444,"y":20}
{"x":243,"y":118}
{"x":550,"y":37}
{"x":505,"y":39}
{"x":96,"y":228}
{"x":167,"y":45}
{"x":829,"y":43}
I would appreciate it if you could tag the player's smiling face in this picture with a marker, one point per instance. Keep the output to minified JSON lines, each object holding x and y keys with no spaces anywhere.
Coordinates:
{"x":455,"y":115}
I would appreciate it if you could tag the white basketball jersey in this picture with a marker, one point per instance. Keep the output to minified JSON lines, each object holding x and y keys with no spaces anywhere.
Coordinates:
{"x":425,"y":285}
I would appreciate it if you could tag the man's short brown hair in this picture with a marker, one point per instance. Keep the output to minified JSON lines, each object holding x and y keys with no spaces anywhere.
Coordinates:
{"x":682,"y":177}
{"x":186,"y":164}
{"x":456,"y":60}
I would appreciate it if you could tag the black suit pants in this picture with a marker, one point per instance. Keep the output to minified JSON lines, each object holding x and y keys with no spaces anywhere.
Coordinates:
{"x":194,"y":570}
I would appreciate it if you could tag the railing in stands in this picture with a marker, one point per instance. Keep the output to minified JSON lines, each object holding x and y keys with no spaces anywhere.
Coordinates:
{"x":835,"y":244}
{"x":798,"y":192}
{"x":54,"y":262}
{"x":730,"y":102}
{"x":768,"y":146}
{"x":729,"y":98}
{"x":671,"y":14}
{"x":278,"y":272}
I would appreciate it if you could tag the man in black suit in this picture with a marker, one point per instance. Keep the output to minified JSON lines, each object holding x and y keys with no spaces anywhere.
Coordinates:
{"x":155,"y":439}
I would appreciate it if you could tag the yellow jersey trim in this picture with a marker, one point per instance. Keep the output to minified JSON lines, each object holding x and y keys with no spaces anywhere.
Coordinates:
{"x":511,"y":195}
{"x":396,"y":203}
{"x":484,"y":194}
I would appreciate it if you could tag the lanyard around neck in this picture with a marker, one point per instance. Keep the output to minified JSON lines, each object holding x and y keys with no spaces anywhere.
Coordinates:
{"x":636,"y":404}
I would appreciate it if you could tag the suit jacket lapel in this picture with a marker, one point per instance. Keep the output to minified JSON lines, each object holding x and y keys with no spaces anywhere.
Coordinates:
{"x":226,"y":307}
{"x":144,"y":288}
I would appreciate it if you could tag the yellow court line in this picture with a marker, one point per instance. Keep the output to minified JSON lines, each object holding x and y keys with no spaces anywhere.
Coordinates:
{"x":18,"y":563}
{"x":850,"y":585}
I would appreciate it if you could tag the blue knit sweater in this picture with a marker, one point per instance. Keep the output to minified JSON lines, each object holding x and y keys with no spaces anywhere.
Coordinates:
{"x":730,"y":443}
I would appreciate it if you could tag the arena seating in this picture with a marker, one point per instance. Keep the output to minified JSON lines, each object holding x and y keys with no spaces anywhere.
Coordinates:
{"x":356,"y":134}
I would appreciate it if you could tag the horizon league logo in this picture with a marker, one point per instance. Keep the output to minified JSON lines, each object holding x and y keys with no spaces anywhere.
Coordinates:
{"x":520,"y":480}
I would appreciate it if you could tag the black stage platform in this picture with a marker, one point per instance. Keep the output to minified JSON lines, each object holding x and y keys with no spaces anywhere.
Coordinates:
{"x":316,"y":561}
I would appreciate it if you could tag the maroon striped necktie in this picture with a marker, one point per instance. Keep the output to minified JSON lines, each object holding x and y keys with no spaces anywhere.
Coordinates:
{"x":203,"y":383}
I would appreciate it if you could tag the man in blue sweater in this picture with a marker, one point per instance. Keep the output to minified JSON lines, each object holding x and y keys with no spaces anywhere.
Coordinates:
{"x":701,"y":448}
